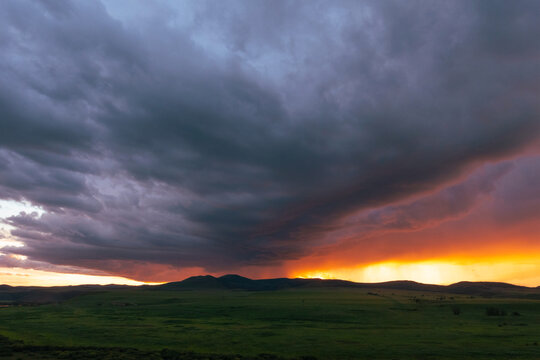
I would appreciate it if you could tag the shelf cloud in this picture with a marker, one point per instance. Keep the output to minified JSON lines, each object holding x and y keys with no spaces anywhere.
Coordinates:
{"x":223,"y":136}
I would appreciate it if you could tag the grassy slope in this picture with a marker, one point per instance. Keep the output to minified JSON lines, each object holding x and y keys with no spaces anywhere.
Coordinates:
{"x":326,"y":323}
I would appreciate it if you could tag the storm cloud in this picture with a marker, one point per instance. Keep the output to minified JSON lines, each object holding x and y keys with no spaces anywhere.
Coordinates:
{"x":227,"y":134}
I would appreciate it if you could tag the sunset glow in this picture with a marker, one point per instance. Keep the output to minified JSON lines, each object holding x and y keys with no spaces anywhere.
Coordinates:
{"x":520,"y":271}
{"x":367,"y":141}
{"x":30,"y":277}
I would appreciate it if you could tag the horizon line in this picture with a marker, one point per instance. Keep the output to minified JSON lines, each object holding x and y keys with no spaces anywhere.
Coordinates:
{"x":276,"y":278}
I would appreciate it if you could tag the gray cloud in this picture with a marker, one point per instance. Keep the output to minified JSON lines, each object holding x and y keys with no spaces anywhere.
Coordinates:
{"x":221,"y":135}
{"x":430,"y":210}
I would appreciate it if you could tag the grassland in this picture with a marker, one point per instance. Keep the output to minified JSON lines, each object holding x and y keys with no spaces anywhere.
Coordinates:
{"x":331,"y":323}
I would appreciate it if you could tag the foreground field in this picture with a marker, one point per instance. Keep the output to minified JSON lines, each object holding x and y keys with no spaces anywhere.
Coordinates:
{"x":331,"y":323}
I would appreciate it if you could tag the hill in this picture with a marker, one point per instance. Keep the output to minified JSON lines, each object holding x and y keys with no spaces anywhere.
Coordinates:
{"x":236,"y":282}
{"x":42,"y":295}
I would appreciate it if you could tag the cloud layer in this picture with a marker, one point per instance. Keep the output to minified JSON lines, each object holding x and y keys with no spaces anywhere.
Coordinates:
{"x":219,"y":136}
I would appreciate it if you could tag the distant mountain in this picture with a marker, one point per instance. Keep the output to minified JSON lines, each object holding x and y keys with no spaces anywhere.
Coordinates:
{"x":42,"y":295}
{"x":232,"y":282}
{"x":236,"y":282}
{"x":485,"y":288}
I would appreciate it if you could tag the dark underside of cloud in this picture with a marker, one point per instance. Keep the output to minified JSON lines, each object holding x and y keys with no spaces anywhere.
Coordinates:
{"x":222,"y":135}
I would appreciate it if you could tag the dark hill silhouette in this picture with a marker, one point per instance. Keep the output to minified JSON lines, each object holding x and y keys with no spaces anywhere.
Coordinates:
{"x":484,"y":288}
{"x":467,"y":285}
{"x":232,"y":282}
{"x":236,"y":282}
{"x":42,"y":295}
{"x":197,"y":282}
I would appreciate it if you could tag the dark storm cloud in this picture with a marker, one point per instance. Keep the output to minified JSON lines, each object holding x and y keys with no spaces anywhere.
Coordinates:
{"x":449,"y":203}
{"x":222,"y":134}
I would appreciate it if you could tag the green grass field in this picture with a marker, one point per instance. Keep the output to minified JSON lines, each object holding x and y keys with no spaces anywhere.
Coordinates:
{"x":324,"y":323}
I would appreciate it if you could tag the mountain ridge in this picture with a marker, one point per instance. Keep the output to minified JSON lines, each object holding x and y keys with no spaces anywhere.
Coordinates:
{"x":233,"y":282}
{"x":237,"y":282}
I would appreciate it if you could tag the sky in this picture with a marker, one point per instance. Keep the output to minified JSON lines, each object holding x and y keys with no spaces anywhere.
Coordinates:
{"x":363,"y":140}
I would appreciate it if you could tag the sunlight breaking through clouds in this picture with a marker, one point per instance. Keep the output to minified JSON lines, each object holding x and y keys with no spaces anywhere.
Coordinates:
{"x":524,"y":271}
{"x":32,"y":277}
{"x":152,"y":138}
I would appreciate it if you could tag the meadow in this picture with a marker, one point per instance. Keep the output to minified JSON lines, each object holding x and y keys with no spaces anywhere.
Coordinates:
{"x":322,"y":323}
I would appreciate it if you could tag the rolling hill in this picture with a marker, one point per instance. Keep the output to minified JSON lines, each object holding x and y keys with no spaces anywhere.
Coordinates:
{"x":43,"y":295}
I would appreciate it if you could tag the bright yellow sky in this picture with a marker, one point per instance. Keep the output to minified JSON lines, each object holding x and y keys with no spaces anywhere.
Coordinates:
{"x":30,"y":277}
{"x":520,"y":272}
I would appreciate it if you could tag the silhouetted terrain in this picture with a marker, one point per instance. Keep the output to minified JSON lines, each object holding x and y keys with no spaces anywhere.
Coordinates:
{"x":44,"y":295}
{"x":236,"y":282}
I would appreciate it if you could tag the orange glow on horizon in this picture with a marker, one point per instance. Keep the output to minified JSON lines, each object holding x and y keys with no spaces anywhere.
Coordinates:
{"x":31,"y":277}
{"x":444,"y":272}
